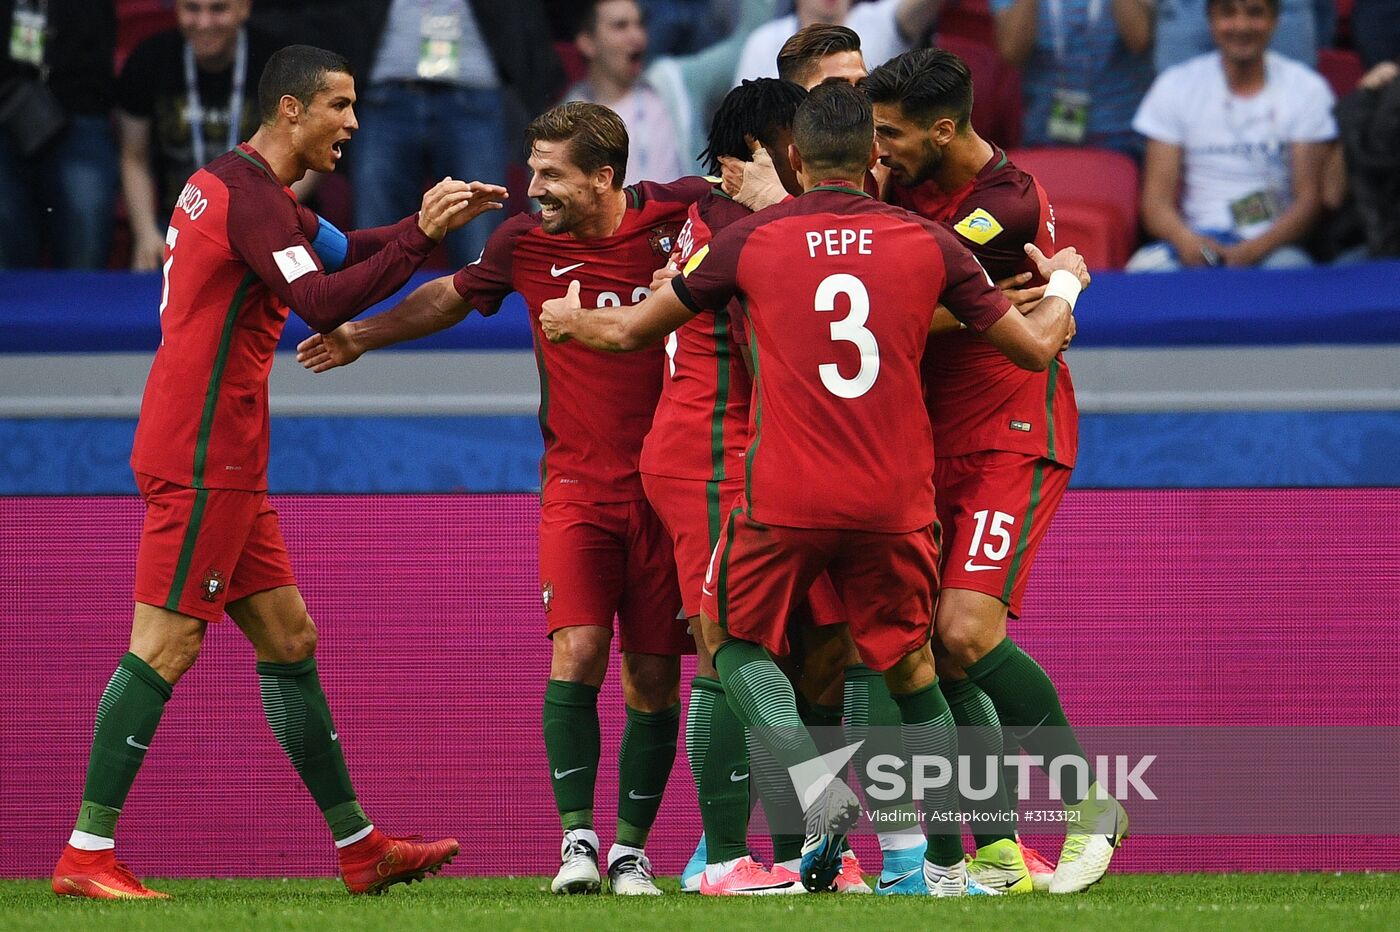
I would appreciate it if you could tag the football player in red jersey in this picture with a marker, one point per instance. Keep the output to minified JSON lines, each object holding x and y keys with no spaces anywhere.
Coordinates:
{"x":240,"y":251}
{"x":838,"y":473}
{"x":1007,"y":440}
{"x":603,"y":552}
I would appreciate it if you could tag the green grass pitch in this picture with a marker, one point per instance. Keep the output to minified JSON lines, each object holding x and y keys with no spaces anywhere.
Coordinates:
{"x":1132,"y":903}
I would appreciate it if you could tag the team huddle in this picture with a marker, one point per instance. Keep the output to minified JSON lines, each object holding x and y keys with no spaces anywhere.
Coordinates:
{"x":742,"y":384}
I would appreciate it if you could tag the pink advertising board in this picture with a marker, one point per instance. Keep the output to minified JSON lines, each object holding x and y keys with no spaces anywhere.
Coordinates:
{"x":1148,"y":608}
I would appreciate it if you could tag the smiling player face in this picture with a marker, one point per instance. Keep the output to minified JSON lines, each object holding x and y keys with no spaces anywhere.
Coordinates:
{"x":568,"y":196}
{"x":327,"y":123}
{"x":905,"y":148}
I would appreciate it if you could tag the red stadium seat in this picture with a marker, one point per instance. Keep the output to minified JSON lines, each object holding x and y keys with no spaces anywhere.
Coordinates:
{"x":1093,"y":232}
{"x":996,"y":109}
{"x":572,"y":60}
{"x":1342,"y":68}
{"x":969,"y":19}
{"x":1089,"y":181}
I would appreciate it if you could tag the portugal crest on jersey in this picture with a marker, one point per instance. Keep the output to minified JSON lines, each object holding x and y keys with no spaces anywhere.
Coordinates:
{"x":663,"y":238}
{"x":211,"y":586}
{"x":547,"y":595}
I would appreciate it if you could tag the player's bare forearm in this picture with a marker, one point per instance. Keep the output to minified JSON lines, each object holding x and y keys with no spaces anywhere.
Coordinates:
{"x":613,"y":329}
{"x":1032,"y":340}
{"x":943,"y":322}
{"x":429,"y":308}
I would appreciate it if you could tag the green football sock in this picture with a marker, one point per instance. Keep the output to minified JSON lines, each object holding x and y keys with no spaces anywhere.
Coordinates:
{"x":872,"y":718}
{"x":979,"y":737}
{"x":1027,"y":703}
{"x":127,"y":716}
{"x":781,"y":808}
{"x":824,"y":723}
{"x":699,"y":716}
{"x":762,"y":698}
{"x":296,"y":709}
{"x":571,"y":742}
{"x":724,"y":800}
{"x":644,"y":764}
{"x":929,"y":731}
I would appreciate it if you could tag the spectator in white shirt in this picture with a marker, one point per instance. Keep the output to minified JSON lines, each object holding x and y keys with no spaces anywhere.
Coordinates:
{"x":1242,"y":133}
{"x":886,"y":28}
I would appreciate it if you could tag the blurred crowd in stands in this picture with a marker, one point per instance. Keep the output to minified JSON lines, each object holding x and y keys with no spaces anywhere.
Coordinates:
{"x":1167,"y":133}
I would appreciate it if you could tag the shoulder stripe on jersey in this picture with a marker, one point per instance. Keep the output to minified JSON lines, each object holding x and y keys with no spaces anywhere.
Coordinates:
{"x":260,"y":166}
{"x":216,"y":379}
{"x":634,"y":197}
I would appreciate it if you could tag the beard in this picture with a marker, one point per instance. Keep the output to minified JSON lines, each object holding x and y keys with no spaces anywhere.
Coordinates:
{"x":931,"y":159}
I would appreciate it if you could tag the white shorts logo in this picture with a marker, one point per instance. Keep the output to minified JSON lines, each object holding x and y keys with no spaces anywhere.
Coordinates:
{"x":294,"y":261}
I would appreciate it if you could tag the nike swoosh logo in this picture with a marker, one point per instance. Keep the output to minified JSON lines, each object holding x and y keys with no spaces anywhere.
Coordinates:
{"x":1024,"y":735}
{"x":886,"y":884}
{"x":736,"y":778}
{"x":971,"y":567}
{"x":632,"y":794}
{"x":555,"y":271}
{"x":335,"y":736}
{"x":131,"y":740}
{"x":561,"y":774}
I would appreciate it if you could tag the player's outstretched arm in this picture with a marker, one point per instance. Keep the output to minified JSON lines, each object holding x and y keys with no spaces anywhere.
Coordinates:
{"x":1032,"y":340}
{"x":429,"y":308}
{"x":473,"y":198}
{"x":614,"y":329}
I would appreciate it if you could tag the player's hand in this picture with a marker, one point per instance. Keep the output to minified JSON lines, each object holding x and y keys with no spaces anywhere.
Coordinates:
{"x":450,"y":204}
{"x":1196,"y":251}
{"x":663,"y":275}
{"x":1025,"y":299}
{"x":1241,"y":255}
{"x":758,"y":183}
{"x":147,"y":250}
{"x":322,"y":351}
{"x":1067,"y":259}
{"x":1379,"y":76}
{"x":557,"y":315}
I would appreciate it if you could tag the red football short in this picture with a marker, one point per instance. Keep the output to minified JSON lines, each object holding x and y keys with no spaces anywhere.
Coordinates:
{"x":995,"y":508}
{"x":886,"y":581}
{"x":691,"y":511}
{"x":201,"y":549}
{"x":604,"y":560}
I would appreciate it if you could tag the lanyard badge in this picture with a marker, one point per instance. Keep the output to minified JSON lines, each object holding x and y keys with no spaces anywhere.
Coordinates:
{"x":27,"y":30}
{"x":440,"y":46}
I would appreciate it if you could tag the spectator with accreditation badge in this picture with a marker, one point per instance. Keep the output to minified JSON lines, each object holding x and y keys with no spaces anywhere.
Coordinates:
{"x":1085,"y":67}
{"x":1242,"y":132}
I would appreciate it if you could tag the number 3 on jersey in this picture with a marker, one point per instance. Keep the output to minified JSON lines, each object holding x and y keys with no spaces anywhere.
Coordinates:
{"x":849,"y":329}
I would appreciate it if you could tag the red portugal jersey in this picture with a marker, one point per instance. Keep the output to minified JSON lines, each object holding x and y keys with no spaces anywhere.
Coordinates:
{"x":237,"y":255}
{"x":702,"y":422}
{"x":839,"y":291}
{"x":977,"y":398}
{"x":595,"y":407}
